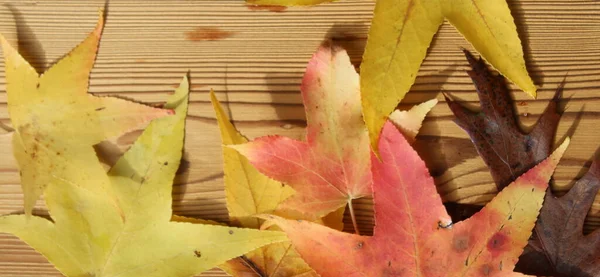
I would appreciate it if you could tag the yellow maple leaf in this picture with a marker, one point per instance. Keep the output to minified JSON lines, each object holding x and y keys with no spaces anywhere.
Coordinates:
{"x":250,"y":193}
{"x":54,"y":116}
{"x":119,"y":223}
{"x":401,"y":32}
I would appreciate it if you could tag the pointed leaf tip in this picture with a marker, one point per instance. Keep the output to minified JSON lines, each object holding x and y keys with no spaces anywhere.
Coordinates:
{"x":100,"y":24}
{"x":213,"y":98}
{"x":410,"y":121}
{"x":558,"y":153}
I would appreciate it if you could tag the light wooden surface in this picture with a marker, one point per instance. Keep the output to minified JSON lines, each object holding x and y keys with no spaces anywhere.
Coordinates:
{"x":254,"y":59}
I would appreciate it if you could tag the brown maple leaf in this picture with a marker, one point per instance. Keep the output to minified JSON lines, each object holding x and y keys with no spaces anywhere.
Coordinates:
{"x":506,"y":149}
{"x":558,"y":247}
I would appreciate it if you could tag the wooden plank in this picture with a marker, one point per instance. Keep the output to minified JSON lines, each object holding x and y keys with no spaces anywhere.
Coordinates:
{"x":254,"y":59}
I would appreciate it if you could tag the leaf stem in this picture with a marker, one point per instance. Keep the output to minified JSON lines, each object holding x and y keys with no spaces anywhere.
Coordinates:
{"x":353,"y":217}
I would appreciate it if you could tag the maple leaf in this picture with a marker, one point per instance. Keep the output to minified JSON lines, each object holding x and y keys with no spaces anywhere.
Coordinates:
{"x":332,"y":167}
{"x":250,"y":193}
{"x":53,"y":115}
{"x":413,"y":236}
{"x":119,"y":223}
{"x":401,"y":32}
{"x":558,"y":247}
{"x":506,"y":149}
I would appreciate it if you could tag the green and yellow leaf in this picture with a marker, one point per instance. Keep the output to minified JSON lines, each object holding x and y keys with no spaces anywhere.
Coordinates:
{"x":54,"y":116}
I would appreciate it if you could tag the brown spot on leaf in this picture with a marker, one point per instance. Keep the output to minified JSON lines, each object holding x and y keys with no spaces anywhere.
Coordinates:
{"x":498,"y":243}
{"x":486,"y":270}
{"x":34,"y":149}
{"x":231,"y":232}
{"x":460,"y":243}
{"x":197,"y":254}
{"x":270,"y":8}
{"x":207,"y":33}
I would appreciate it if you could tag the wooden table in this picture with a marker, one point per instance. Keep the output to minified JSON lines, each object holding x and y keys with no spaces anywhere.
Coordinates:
{"x":254,"y":59}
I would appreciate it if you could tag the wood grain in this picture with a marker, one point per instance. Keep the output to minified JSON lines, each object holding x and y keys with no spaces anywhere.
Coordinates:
{"x":254,"y":59}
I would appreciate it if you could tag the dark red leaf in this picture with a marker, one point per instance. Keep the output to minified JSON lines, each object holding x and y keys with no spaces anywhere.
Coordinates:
{"x":558,"y":246}
{"x":506,"y":149}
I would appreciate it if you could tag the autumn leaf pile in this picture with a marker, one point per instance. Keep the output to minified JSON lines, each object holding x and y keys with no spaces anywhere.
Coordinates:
{"x":287,"y":198}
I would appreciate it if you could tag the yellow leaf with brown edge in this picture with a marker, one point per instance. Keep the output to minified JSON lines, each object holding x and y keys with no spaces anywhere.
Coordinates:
{"x":401,"y":32}
{"x":120,"y":223}
{"x":250,"y":193}
{"x":54,"y":116}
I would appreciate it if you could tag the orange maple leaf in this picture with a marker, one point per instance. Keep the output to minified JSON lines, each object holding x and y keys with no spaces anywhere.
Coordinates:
{"x":332,"y":167}
{"x":414,"y":235}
